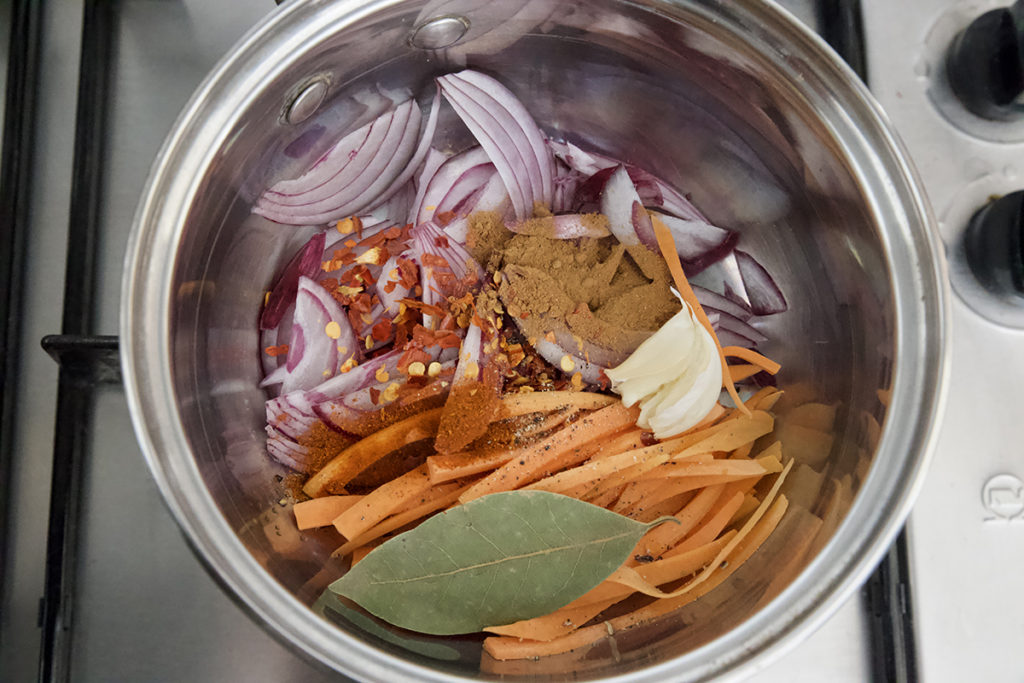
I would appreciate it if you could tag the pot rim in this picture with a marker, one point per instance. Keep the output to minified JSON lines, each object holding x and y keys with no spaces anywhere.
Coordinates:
{"x":920,"y":296}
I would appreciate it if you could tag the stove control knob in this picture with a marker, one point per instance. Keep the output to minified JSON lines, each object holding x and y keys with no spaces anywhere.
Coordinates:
{"x":994,"y":245}
{"x":985,"y":64}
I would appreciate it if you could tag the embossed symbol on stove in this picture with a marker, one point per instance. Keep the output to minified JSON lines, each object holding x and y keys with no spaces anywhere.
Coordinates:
{"x":1003,"y":496}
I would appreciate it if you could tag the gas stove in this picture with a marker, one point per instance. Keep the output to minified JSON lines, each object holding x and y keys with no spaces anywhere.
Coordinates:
{"x":98,"y":584}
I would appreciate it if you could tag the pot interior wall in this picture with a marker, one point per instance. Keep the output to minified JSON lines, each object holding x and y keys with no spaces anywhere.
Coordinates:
{"x":688,"y":100}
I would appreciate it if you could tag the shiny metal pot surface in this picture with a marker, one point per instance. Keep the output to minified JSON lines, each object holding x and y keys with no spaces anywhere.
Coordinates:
{"x":732,"y":102}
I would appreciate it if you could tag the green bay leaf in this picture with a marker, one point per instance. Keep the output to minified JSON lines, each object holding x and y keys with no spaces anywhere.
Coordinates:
{"x":330,"y":607}
{"x":493,"y":561}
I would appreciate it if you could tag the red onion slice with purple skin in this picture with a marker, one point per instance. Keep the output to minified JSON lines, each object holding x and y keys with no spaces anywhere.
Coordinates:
{"x":591,"y":373}
{"x":444,"y":180}
{"x":699,"y":244}
{"x":389,"y":300}
{"x":312,"y":354}
{"x":431,"y":164}
{"x":653,"y":191}
{"x":305,"y":263}
{"x":464,"y":193}
{"x":643,"y":226}
{"x":617,"y":200}
{"x":504,"y":98}
{"x":765,"y":296}
{"x":470,"y":356}
{"x":733,"y":324}
{"x":286,"y":451}
{"x":502,"y":146}
{"x":373,"y":169}
{"x":418,"y":156}
{"x":341,"y":166}
{"x":471,"y":167}
{"x":730,"y":338}
{"x":718,"y":302}
{"x":346,"y":194}
{"x":565,"y":226}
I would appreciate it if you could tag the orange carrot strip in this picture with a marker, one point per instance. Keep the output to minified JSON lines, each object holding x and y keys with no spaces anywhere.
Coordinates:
{"x":659,"y":539}
{"x":562,"y":448}
{"x":550,"y":401}
{"x":627,"y":441}
{"x":752,"y":357}
{"x":363,"y":453}
{"x":383,"y":501}
{"x":711,"y":526}
{"x":442,"y":496}
{"x":448,"y":466}
{"x":359,"y":553}
{"x":317,"y":512}
{"x":608,"y":593}
{"x":671,"y":254}
{"x":738,"y":373}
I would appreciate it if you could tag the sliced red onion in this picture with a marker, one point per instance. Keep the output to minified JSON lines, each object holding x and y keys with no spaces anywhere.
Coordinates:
{"x":342,"y":164}
{"x":347,"y":193}
{"x":323,"y":196}
{"x":717,"y":302}
{"x":286,"y":451}
{"x":617,"y":201}
{"x":735,"y":297}
{"x":497,"y":143}
{"x":418,"y":156}
{"x":430,"y":238}
{"x":653,"y":191}
{"x":389,"y":300}
{"x":566,"y":226}
{"x":764,"y":295}
{"x":566,"y":182}
{"x":731,"y":323}
{"x":435,"y":159}
{"x":699,"y":244}
{"x":305,"y":263}
{"x":730,"y":338}
{"x":462,"y":196}
{"x":313,"y":355}
{"x":275,"y":377}
{"x":591,"y":373}
{"x":643,"y":227}
{"x":543,"y":161}
{"x":493,"y":197}
{"x":470,"y":356}
{"x":359,"y":377}
{"x":462,"y":170}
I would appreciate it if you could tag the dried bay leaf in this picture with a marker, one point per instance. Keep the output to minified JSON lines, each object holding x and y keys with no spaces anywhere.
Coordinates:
{"x":330,"y":607}
{"x":496,"y":560}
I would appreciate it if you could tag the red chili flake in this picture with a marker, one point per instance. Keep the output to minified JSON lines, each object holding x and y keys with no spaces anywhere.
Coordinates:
{"x":275,"y":351}
{"x":435,"y":261}
{"x":390,"y":286}
{"x":354,"y":319}
{"x":374,"y":396}
{"x":450,"y":341}
{"x":362,"y":303}
{"x":393,"y":233}
{"x":443,"y":218}
{"x":442,"y":242}
{"x":382,"y":330}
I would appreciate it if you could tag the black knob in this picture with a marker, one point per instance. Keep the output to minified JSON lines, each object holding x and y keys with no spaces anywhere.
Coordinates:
{"x":985,"y":64}
{"x":994,"y":245}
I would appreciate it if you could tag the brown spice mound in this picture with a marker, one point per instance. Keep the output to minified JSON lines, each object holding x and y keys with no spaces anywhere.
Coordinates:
{"x":595,"y":289}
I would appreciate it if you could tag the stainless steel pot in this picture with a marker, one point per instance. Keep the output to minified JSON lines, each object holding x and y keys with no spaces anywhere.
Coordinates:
{"x":733,"y":102}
